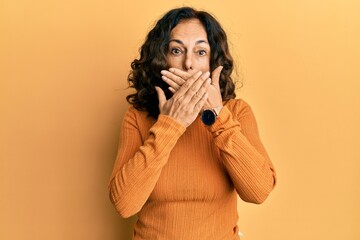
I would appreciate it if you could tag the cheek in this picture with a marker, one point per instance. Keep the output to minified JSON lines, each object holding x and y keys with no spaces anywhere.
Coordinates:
{"x":173,"y":62}
{"x":203,"y":64}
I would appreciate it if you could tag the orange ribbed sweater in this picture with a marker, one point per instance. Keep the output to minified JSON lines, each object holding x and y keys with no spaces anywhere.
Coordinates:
{"x":183,"y":183}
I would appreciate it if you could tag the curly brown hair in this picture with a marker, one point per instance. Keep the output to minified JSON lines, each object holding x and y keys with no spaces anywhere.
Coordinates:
{"x":145,"y":73}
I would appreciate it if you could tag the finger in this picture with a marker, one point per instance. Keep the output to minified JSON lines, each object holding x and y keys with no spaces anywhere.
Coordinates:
{"x":195,"y":87}
{"x":161,"y":96}
{"x":171,"y":83}
{"x":192,"y":92}
{"x":177,"y":79}
{"x":185,"y":87}
{"x":200,"y":82}
{"x":208,"y":85}
{"x":201,"y":91}
{"x":199,"y":105}
{"x":172,"y":90}
{"x":184,"y":75}
{"x":215,"y":75}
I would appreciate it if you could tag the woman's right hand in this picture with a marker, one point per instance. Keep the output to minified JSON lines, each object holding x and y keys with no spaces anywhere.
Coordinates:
{"x":184,"y":106}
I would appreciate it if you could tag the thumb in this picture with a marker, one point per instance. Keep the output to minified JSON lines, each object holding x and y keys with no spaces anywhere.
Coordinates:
{"x":215,"y":76}
{"x":161,"y":96}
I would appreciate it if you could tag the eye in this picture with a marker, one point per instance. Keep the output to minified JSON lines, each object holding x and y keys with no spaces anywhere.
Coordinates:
{"x":202,"y":52}
{"x":176,"y":51}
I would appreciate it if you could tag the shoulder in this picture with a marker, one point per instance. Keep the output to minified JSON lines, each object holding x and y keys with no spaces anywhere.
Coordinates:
{"x":138,"y":118}
{"x":238,"y":107}
{"x":133,"y":112}
{"x":241,"y":111}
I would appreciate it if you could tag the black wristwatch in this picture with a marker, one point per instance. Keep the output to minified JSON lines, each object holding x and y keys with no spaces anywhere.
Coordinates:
{"x":209,"y":116}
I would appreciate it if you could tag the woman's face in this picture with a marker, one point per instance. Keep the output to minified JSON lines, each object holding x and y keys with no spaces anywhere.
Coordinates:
{"x":189,"y":49}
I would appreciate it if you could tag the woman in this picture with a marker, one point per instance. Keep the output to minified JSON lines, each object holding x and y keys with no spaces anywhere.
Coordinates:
{"x":187,"y":147}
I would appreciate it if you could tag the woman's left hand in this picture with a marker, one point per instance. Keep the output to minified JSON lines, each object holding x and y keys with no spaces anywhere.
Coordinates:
{"x":176,"y":77}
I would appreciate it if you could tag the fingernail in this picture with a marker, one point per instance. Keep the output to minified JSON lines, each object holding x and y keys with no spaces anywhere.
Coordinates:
{"x":163,"y":72}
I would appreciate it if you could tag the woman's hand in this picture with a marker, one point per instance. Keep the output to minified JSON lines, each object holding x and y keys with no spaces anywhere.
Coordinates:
{"x":186,"y":103}
{"x":175,"y":78}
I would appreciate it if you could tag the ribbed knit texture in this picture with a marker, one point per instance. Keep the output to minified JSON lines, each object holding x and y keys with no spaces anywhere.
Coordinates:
{"x":183,"y":183}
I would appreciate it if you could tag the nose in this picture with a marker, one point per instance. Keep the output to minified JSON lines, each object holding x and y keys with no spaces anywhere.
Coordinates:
{"x":188,"y":63}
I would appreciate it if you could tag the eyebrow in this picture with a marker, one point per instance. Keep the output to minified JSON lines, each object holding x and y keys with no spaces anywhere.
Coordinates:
{"x":180,"y":42}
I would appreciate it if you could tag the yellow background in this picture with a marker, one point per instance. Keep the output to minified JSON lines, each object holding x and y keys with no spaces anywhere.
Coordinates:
{"x":63,"y":68}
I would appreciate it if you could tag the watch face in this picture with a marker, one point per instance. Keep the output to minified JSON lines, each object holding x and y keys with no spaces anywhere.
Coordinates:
{"x":208,"y":117}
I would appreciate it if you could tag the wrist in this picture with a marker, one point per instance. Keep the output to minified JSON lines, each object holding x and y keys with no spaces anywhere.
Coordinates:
{"x":218,"y":109}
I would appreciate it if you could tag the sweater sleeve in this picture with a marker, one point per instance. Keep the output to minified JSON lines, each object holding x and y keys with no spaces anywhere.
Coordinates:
{"x":138,"y":164}
{"x":249,"y":167}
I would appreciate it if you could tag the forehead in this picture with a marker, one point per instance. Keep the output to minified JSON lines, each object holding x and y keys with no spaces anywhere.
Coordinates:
{"x":191,"y":28}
